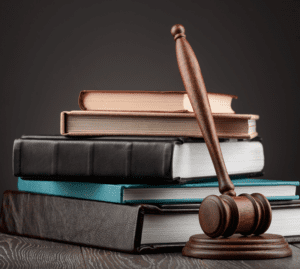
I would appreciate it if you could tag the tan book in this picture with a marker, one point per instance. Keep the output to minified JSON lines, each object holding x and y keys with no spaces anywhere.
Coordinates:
{"x":87,"y":123}
{"x":149,"y":101}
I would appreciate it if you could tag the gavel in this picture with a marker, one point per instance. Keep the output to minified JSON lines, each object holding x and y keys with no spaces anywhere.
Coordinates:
{"x":226,"y":214}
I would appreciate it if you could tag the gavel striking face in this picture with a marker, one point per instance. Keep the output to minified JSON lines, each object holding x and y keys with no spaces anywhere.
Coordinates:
{"x":226,"y":214}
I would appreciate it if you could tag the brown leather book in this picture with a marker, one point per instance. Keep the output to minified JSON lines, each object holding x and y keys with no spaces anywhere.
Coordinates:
{"x":97,"y":123}
{"x":149,"y":101}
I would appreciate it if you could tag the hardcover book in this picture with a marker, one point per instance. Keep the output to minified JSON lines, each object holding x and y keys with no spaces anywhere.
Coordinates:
{"x":128,"y":228}
{"x":115,"y":159}
{"x":93,"y":123}
{"x":150,"y":101}
{"x":159,"y":194}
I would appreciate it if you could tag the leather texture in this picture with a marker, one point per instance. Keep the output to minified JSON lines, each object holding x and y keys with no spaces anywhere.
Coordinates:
{"x":113,"y":158}
{"x":91,"y":223}
{"x":100,"y":159}
{"x":96,"y":224}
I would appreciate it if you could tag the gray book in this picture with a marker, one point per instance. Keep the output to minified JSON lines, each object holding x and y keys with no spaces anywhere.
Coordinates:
{"x":129,"y":228}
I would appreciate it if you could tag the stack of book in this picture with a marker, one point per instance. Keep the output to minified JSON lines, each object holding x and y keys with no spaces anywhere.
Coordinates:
{"x":130,"y":170}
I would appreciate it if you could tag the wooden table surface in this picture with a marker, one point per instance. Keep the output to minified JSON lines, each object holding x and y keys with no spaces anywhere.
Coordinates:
{"x":22,"y":252}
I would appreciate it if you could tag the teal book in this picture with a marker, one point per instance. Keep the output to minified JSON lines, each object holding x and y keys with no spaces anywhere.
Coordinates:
{"x":158,"y":194}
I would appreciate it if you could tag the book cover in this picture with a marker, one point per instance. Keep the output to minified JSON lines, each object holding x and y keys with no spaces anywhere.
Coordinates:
{"x":158,"y":101}
{"x":159,"y":194}
{"x":95,"y":123}
{"x":115,"y":159}
{"x":129,"y":228}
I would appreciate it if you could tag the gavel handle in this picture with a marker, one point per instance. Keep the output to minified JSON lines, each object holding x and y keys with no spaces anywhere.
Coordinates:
{"x":194,"y":84}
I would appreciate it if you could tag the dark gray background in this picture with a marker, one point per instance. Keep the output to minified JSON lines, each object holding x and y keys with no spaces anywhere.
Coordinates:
{"x":51,"y":50}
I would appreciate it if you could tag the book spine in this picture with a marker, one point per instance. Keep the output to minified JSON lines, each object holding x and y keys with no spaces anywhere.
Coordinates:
{"x":63,"y":123}
{"x":96,"y":224}
{"x":16,"y":156}
{"x":93,"y":158}
{"x":91,"y":191}
{"x":80,"y":100}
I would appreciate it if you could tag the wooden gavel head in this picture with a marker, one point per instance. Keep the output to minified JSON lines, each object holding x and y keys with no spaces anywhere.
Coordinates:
{"x":226,"y":214}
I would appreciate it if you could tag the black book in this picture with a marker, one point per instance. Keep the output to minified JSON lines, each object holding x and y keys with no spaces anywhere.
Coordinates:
{"x":115,"y":159}
{"x":128,"y":228}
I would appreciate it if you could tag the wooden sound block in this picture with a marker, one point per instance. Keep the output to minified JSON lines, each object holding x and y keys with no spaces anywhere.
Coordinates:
{"x":237,"y":247}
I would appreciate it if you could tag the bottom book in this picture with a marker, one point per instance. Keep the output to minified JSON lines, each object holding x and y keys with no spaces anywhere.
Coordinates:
{"x":129,"y":228}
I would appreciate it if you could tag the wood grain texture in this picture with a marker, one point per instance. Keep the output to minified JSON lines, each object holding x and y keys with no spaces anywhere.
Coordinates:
{"x":267,"y":246}
{"x":195,"y":87}
{"x":296,"y":245}
{"x":224,"y":215}
{"x":22,"y":252}
{"x":292,"y":262}
{"x":97,"y":258}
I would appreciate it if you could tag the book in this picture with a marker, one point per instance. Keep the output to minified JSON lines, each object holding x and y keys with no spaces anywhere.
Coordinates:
{"x":94,"y":123}
{"x":129,"y":228}
{"x":150,"y":101}
{"x":159,"y":194}
{"x":125,"y":159}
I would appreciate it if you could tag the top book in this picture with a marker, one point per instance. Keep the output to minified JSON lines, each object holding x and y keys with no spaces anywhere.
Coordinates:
{"x":150,"y":101}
